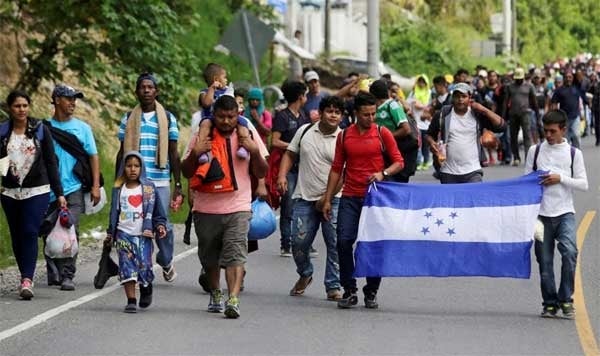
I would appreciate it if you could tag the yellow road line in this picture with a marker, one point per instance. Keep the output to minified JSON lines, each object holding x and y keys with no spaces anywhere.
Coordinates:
{"x":582,"y":320}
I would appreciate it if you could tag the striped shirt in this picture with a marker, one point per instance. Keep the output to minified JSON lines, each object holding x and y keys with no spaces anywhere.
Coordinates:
{"x":149,"y":144}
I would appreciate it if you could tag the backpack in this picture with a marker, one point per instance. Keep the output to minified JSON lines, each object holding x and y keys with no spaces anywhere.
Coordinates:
{"x":5,"y":128}
{"x":537,"y":152}
{"x":218,"y":176}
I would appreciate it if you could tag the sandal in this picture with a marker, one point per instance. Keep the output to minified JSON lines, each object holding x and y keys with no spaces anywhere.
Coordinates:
{"x":300,"y":286}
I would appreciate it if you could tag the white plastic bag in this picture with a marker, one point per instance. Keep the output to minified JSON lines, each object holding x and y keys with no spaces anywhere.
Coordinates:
{"x":89,"y":207}
{"x":61,"y":242}
{"x":538,"y":233}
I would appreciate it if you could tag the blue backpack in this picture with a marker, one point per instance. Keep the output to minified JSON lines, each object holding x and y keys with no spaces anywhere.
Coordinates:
{"x":5,"y":129}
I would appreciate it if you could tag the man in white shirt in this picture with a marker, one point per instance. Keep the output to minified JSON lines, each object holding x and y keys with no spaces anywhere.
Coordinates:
{"x":562,"y":170}
{"x":459,"y":127}
{"x":314,"y":146}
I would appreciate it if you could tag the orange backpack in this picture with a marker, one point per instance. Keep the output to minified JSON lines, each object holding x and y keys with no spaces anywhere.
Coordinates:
{"x":218,"y":176}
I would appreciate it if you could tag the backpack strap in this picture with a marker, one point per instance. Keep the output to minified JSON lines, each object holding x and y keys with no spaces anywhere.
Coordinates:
{"x":535,"y":156}
{"x":537,"y":152}
{"x":304,"y":133}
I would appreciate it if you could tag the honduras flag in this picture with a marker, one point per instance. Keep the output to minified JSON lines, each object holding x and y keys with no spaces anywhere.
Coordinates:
{"x":482,"y":229}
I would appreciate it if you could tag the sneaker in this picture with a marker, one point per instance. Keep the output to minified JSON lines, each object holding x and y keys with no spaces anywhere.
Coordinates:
{"x":203,"y":281}
{"x":145,"y":296}
{"x":334,"y":295}
{"x":242,"y":153}
{"x":130,"y":308}
{"x":549,"y":311}
{"x":349,"y":300}
{"x":26,"y":289}
{"x":67,"y":284}
{"x":516,"y":162}
{"x":313,"y":252}
{"x":568,"y":310}
{"x":370,"y":300}
{"x":286,"y":252}
{"x":232,"y":308}
{"x":203,"y":158}
{"x":300,"y":286}
{"x":215,"y":304}
{"x":169,"y":273}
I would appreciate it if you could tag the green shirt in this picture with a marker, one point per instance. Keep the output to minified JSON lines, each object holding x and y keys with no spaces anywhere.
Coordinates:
{"x":390,"y":115}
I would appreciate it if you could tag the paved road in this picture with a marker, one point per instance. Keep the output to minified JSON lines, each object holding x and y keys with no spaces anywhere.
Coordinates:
{"x":474,"y":316}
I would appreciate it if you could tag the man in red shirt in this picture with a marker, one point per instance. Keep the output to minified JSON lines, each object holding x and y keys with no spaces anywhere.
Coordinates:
{"x":361,"y":153}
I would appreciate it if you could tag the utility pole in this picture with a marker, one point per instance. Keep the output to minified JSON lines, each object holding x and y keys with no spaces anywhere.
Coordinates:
{"x":373,"y":38}
{"x":327,"y":45}
{"x":507,"y":33}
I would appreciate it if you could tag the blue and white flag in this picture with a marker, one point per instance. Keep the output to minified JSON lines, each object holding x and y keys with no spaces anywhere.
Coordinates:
{"x":483,"y":229}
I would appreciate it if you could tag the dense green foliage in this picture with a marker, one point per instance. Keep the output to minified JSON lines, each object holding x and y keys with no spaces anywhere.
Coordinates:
{"x":108,"y":43}
{"x":551,"y":28}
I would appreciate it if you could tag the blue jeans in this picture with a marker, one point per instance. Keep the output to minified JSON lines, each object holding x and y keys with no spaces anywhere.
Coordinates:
{"x":164,"y":256}
{"x":562,"y":230}
{"x":347,"y":230}
{"x":285,"y":214}
{"x":573,"y":131}
{"x":24,"y":218}
{"x":305,"y":224}
{"x":506,"y":148}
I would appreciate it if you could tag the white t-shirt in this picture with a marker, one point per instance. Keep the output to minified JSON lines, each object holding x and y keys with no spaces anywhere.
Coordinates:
{"x":556,"y":159}
{"x":316,"y":156}
{"x":131,"y":215}
{"x":462,"y":155}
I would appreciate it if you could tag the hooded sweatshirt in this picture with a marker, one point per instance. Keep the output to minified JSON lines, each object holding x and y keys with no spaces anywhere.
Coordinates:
{"x":154,"y":214}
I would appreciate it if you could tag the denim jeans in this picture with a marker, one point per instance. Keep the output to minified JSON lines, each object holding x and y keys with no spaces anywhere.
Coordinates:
{"x":573,"y":131}
{"x":562,"y":230}
{"x":506,"y":148}
{"x":24,"y":218}
{"x":285,"y":214}
{"x":164,"y":256}
{"x":305,"y":224}
{"x":347,"y":230}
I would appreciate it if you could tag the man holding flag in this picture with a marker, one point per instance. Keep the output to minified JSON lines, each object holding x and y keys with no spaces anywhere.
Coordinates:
{"x":360,"y":155}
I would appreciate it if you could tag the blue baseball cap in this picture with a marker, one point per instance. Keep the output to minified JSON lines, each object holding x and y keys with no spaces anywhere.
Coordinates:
{"x":65,"y":91}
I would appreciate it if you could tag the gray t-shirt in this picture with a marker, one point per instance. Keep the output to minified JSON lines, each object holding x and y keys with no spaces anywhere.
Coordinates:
{"x":519,"y":98}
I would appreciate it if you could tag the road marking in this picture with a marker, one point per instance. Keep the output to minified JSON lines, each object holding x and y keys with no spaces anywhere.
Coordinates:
{"x":38,"y":319}
{"x":582,"y":320}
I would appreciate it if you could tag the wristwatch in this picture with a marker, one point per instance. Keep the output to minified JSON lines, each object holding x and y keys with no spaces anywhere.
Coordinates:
{"x":178,"y":184}
{"x":385,"y":173}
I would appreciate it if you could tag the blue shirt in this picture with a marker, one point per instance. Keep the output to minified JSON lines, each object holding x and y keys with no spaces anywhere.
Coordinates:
{"x":568,"y":99}
{"x":313,"y":101}
{"x":66,"y":162}
{"x":208,"y":112}
{"x":149,"y":144}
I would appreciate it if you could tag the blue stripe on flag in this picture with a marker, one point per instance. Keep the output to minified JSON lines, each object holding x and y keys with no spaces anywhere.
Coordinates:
{"x":524,"y":190}
{"x":392,"y":258}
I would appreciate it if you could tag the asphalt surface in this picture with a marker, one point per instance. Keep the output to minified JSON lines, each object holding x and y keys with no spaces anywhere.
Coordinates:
{"x":417,"y":316}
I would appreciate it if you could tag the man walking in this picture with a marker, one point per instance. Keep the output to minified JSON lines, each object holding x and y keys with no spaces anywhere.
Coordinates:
{"x":564,"y":170}
{"x":567,"y":98}
{"x":460,"y":126}
{"x":221,"y":204}
{"x":152,"y":131}
{"x":61,"y":271}
{"x":314,"y":146}
{"x":519,"y":99}
{"x":360,"y":153}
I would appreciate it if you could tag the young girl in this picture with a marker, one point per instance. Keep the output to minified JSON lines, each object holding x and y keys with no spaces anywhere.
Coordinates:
{"x":135,"y":216}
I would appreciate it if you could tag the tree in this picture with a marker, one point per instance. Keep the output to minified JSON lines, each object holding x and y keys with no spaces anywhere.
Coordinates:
{"x":106,"y":43}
